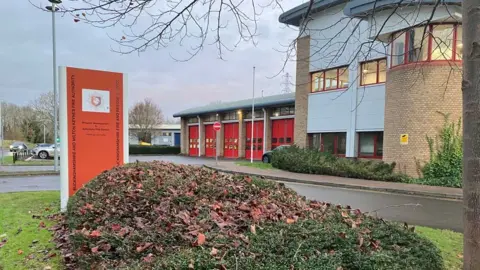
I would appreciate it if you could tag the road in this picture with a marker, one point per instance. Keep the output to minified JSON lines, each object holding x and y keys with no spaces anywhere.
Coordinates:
{"x":437,"y":213}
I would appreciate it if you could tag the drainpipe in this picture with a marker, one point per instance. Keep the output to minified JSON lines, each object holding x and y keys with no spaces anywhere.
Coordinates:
{"x":264,"y":129}
{"x":199,"y":136}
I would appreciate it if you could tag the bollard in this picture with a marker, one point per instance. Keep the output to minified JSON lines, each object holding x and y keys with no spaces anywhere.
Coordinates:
{"x":14,"y":157}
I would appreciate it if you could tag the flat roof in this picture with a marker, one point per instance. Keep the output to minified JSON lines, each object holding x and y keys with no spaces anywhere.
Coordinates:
{"x":295,"y":15}
{"x":260,"y":102}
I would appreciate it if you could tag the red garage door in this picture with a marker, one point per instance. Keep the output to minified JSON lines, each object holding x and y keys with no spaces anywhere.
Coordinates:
{"x":210,"y":141}
{"x":282,"y":132}
{"x":230,"y":137}
{"x":257,"y":140}
{"x":193,"y":141}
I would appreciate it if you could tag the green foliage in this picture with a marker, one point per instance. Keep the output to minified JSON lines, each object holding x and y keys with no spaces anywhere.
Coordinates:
{"x":312,"y":161}
{"x":165,"y":216}
{"x":31,"y":130}
{"x":445,"y":165}
{"x":154,"y":150}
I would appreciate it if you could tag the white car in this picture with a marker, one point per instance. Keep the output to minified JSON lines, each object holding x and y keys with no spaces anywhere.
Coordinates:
{"x":46,"y":151}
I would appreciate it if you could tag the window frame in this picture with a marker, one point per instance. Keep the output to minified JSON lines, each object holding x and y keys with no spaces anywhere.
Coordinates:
{"x":430,"y":44}
{"x":335,"y":143}
{"x":323,"y":72}
{"x":375,"y":145}
{"x":377,"y":72}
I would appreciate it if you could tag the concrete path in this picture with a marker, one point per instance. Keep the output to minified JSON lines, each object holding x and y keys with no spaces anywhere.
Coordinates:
{"x":333,"y":181}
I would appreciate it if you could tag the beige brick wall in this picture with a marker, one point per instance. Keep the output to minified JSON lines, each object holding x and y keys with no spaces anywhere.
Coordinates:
{"x":302,"y":90}
{"x":414,"y":96}
{"x":184,"y":136}
{"x":268,"y":131}
{"x":242,"y":131}
{"x":201,"y":136}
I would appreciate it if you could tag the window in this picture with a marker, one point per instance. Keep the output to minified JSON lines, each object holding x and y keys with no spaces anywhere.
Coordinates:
{"x":373,"y":72}
{"x":331,"y":79}
{"x":210,"y":118}
{"x":428,"y":43}
{"x":370,"y":144}
{"x":230,"y":116}
{"x":192,"y":120}
{"x":283,"y":111}
{"x":258,"y":114}
{"x":334,"y":143}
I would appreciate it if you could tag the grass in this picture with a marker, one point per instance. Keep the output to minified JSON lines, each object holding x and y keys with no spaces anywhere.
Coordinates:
{"x":8,"y":160}
{"x":28,"y":245}
{"x":28,"y":173}
{"x":255,"y":164}
{"x":450,"y":244}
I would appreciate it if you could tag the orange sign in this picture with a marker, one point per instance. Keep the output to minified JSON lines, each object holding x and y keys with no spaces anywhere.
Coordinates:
{"x":93,"y":125}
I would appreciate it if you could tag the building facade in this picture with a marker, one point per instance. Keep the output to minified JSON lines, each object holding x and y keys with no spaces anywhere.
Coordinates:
{"x":374,"y":78}
{"x":166,"y":134}
{"x":273,"y":125}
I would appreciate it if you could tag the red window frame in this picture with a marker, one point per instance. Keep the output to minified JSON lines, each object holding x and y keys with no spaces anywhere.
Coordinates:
{"x":375,"y":146}
{"x":335,"y":144}
{"x":322,"y":72}
{"x":430,"y":45}
{"x":377,"y":72}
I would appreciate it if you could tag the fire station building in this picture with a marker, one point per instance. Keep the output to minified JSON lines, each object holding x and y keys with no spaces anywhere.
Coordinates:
{"x":273,"y":124}
{"x":373,"y":79}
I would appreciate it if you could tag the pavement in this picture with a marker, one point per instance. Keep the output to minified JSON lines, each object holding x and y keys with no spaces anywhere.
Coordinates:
{"x":333,"y":181}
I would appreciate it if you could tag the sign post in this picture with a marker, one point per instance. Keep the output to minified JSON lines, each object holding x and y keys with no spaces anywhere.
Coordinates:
{"x":93,"y":126}
{"x":216,"y":126}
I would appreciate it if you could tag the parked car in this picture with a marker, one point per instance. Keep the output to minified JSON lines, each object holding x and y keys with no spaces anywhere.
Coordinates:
{"x":18,"y":146}
{"x":46,"y":151}
{"x":267,"y":156}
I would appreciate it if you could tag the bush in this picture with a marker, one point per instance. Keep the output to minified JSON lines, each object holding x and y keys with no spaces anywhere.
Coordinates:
{"x":154,"y":150}
{"x":165,"y":216}
{"x":446,"y":157}
{"x":313,"y":161}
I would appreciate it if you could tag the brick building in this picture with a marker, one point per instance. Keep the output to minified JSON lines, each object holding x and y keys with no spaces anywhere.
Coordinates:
{"x":373,"y":78}
{"x":273,"y":122}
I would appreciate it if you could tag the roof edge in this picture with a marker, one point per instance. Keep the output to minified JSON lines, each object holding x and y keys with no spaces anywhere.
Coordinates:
{"x":362,"y":8}
{"x":295,"y":15}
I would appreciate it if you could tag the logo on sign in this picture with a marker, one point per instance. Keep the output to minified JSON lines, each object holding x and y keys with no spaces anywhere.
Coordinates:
{"x":96,"y":100}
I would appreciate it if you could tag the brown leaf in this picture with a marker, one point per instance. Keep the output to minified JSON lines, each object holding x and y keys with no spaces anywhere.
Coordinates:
{"x":190,"y":266}
{"x":460,"y":256}
{"x":95,"y":234}
{"x":94,"y":250}
{"x":214,"y":251}
{"x":89,"y":206}
{"x":42,"y":224}
{"x":20,"y":252}
{"x":248,"y":179}
{"x":360,"y":241}
{"x":244,"y":207}
{"x":51,"y":255}
{"x":201,"y":239}
{"x":144,"y":246}
{"x":290,"y":220}
{"x":342,"y":235}
{"x":222,"y":267}
{"x":253,"y":229}
{"x":106,"y":247}
{"x":139,"y":185}
{"x":116,"y":227}
{"x":344,"y":214}
{"x":148,"y":258}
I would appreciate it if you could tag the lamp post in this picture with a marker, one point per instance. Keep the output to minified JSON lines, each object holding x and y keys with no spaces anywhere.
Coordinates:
{"x":253,"y":116}
{"x":53,"y":8}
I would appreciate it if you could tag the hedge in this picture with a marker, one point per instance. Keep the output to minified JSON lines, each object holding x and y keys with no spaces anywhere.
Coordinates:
{"x":154,"y":150}
{"x":164,"y":216}
{"x":313,"y":161}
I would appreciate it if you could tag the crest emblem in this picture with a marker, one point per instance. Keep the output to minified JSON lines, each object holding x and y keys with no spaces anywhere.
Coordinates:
{"x":96,"y":100}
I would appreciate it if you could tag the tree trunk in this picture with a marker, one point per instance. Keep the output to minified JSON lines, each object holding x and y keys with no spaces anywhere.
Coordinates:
{"x":471,"y":133}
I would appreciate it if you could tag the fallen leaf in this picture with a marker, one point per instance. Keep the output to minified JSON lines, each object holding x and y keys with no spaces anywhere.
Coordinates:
{"x":460,"y":256}
{"x":148,"y":258}
{"x":20,"y":252}
{"x":30,"y":256}
{"x":139,"y":185}
{"x":344,"y":214}
{"x":290,"y":220}
{"x":143,"y":247}
{"x":51,"y":255}
{"x":42,"y":224}
{"x":116,"y":227}
{"x":201,"y":239}
{"x":89,"y":206}
{"x":248,"y":179}
{"x":253,"y":229}
{"x":47,"y":268}
{"x":342,"y":235}
{"x":360,"y":241}
{"x":190,"y":266}
{"x":94,"y":250}
{"x":214,"y":251}
{"x":339,"y":268}
{"x":223,"y":267}
{"x":95,"y":233}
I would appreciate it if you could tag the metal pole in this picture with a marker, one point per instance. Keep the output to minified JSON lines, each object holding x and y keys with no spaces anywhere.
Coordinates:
{"x":43,"y":133}
{"x":253,"y":116}
{"x":1,"y":131}
{"x":55,"y":107}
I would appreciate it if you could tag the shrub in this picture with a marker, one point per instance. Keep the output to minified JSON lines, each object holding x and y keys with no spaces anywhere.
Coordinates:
{"x":154,"y":150}
{"x":446,"y":157}
{"x":313,"y":161}
{"x":165,"y":216}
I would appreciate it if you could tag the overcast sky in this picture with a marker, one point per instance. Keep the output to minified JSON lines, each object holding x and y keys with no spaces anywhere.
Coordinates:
{"x":26,"y":61}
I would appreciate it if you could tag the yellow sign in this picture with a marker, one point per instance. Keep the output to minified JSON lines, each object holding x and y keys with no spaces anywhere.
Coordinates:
{"x":403,"y":138}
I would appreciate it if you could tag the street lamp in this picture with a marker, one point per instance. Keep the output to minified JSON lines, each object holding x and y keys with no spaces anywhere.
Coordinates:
{"x":53,"y":8}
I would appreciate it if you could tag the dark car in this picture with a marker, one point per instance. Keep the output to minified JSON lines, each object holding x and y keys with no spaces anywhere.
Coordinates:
{"x":18,"y":146}
{"x":267,"y":156}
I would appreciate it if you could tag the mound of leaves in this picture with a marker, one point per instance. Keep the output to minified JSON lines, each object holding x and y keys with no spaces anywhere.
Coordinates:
{"x":166,"y":216}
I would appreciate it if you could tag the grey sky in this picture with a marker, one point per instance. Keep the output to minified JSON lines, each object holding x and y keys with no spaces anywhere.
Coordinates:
{"x":26,"y":61}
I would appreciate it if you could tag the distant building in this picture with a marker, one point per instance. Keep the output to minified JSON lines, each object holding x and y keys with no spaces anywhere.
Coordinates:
{"x":166,"y":134}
